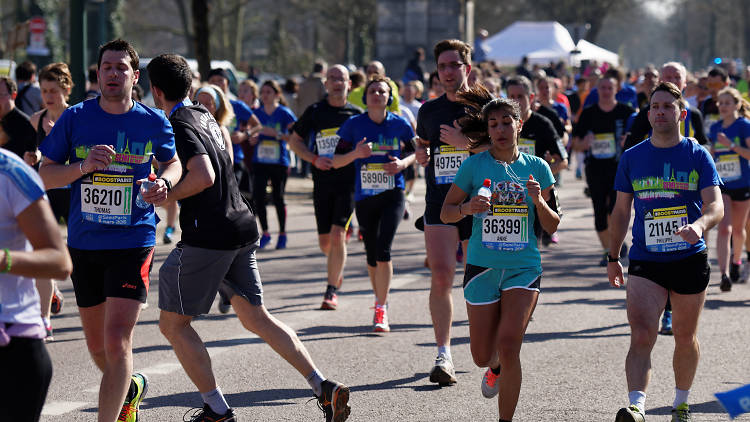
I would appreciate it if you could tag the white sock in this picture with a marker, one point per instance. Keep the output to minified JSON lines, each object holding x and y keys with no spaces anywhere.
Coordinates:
{"x":315,"y":379}
{"x":215,"y":400}
{"x":47,"y":322}
{"x":680,"y":396}
{"x":638,"y":398}
{"x":446,"y":350}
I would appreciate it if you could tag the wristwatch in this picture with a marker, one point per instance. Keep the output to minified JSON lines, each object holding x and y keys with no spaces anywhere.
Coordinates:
{"x":167,"y":183}
{"x":610,"y":258}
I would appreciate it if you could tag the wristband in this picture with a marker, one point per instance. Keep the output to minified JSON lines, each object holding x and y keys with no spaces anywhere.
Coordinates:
{"x":610,"y":258}
{"x":167,"y":183}
{"x":80,"y":167}
{"x":8,"y":262}
{"x":460,"y":212}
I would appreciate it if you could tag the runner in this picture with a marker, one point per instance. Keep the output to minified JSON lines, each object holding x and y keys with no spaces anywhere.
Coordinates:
{"x":333,"y":189}
{"x":730,"y":138}
{"x":213,"y":99}
{"x":20,"y":137}
{"x":504,"y":270}
{"x":217,"y":251}
{"x":599,"y":134}
{"x":32,"y":247}
{"x":271,"y":159}
{"x":381,"y":147}
{"x":441,"y":148}
{"x":110,"y":141}
{"x":357,"y":94}
{"x":672,"y":184}
{"x":716,"y":80}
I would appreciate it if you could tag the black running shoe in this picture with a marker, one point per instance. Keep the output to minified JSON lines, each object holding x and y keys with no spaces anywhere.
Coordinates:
{"x":630,"y":414}
{"x":207,"y":415}
{"x":334,"y":401}
{"x":726,"y":283}
{"x":734,"y":272}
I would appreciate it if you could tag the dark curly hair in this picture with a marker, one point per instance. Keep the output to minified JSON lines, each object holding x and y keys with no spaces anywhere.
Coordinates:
{"x":479,"y":103}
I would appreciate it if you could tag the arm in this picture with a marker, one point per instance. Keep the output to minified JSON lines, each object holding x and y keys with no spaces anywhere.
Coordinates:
{"x":228,"y":143}
{"x":50,"y":258}
{"x":200,"y":175}
{"x":548,"y":219}
{"x":56,"y":175}
{"x":618,"y":228}
{"x":170,"y":170}
{"x":452,"y":135}
{"x":362,"y":150}
{"x":713,"y":212}
{"x":297,"y":144}
{"x":454,"y":208}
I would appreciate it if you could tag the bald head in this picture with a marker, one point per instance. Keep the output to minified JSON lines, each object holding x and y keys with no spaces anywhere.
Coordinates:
{"x":375,"y":68}
{"x":675,"y":73}
{"x":337,"y":84}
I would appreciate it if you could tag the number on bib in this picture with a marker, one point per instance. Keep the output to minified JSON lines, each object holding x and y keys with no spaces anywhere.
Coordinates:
{"x":604,"y":146}
{"x":661,"y":227}
{"x":269,"y":152}
{"x":506,"y":228}
{"x":374,"y":179}
{"x":447,"y":161}
{"x":107,"y":199}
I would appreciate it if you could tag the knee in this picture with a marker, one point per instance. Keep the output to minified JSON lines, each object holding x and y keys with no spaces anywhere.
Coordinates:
{"x":337,"y":237}
{"x":117,"y":344}
{"x":324,"y":243}
{"x":508,"y":349}
{"x":255,"y":318}
{"x":442,"y":276}
{"x":642,"y":337}
{"x":169,"y":329}
{"x":482,"y":356}
{"x":725,"y":229}
{"x":685,"y":341}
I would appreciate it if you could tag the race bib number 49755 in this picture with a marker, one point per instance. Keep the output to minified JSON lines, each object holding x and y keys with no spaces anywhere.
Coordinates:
{"x":661,"y":227}
{"x":107,"y":199}
{"x":447,"y":161}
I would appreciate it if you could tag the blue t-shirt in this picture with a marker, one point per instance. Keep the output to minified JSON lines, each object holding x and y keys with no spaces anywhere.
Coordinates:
{"x":270,"y":150}
{"x":509,"y":198}
{"x":626,"y":95}
{"x":561,"y":110}
{"x":732,"y":167}
{"x":242,"y":113}
{"x":103,"y":209}
{"x":666,"y":184}
{"x":387,"y":138}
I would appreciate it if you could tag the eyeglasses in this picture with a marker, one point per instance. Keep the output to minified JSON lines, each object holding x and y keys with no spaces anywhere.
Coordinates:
{"x":442,"y":67}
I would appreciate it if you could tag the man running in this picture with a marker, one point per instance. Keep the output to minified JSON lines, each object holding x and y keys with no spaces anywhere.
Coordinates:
{"x":673,"y":186}
{"x":441,"y":148}
{"x":217,"y":251}
{"x":333,"y":189}
{"x":109,"y":142}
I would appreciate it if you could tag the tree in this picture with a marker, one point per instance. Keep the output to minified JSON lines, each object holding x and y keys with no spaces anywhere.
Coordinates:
{"x":201,"y":31}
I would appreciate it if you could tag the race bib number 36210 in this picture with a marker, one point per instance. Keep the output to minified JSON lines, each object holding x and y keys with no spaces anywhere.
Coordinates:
{"x":447,"y":161}
{"x":107,"y":199}
{"x":661,"y":227}
{"x":506,"y":228}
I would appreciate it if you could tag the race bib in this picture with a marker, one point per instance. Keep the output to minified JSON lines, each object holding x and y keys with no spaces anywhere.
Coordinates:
{"x":327,"y":141}
{"x":374,"y":180}
{"x":527,"y":145}
{"x":447,"y":161}
{"x":604,"y":146}
{"x":660,"y":227}
{"x":728,"y":167}
{"x":269,"y":152}
{"x":107,"y":199}
{"x":506,"y":228}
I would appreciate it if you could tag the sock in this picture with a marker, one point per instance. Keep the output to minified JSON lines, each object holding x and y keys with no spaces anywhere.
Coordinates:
{"x":680,"y":396}
{"x":446,"y":350}
{"x":504,"y":420}
{"x":215,"y":400}
{"x":738,"y":263}
{"x":315,"y":379}
{"x":47,"y":322}
{"x":331,"y":289}
{"x":496,"y":371}
{"x":638,"y":398}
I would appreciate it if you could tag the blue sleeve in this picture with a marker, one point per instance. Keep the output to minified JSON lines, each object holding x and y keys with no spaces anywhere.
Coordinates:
{"x":544,"y":175}
{"x":713,"y":131}
{"x":57,"y":145}
{"x":346,"y":131}
{"x":622,"y":180}
{"x":744,"y":132}
{"x":242,"y":111}
{"x":709,"y":176}
{"x":592,"y":98}
{"x":465,"y":175}
{"x":164,"y":147}
{"x":630,"y":121}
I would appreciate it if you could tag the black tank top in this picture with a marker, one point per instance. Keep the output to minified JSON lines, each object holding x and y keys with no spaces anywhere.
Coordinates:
{"x":40,"y":134}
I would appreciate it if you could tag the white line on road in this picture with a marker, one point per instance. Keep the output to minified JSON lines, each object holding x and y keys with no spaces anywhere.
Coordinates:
{"x":57,"y":408}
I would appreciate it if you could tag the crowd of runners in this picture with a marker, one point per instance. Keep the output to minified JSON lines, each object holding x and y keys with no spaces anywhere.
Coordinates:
{"x":492,"y":145}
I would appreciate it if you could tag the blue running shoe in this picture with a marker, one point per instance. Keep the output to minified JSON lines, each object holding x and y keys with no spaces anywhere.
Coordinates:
{"x":281,"y":242}
{"x":666,"y":324}
{"x":264,"y":240}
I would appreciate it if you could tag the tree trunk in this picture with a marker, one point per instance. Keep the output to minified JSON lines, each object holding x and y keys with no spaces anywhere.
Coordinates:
{"x":239,"y":29}
{"x":189,"y":41}
{"x":201,"y":30}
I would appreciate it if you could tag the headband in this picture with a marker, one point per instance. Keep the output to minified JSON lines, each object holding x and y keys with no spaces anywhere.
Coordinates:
{"x":212,"y":92}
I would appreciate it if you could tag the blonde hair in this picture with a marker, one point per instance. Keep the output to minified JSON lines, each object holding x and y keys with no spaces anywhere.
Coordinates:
{"x":224,"y":112}
{"x":735,"y":94}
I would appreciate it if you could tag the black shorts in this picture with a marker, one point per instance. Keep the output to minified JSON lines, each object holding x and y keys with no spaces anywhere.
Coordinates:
{"x":99,"y":274}
{"x":410,"y":173}
{"x":59,"y":200}
{"x":334,"y":204}
{"x":432,"y":218}
{"x":686,"y":276}
{"x":741,"y":194}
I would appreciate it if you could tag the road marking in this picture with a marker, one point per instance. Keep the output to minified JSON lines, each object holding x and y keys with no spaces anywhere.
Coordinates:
{"x":57,"y":408}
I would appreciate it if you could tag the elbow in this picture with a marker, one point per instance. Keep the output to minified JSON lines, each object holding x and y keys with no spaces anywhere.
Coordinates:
{"x":208,"y":179}
{"x":65,"y":267}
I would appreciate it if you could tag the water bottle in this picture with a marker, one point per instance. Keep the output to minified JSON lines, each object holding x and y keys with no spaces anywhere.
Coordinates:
{"x":485,"y":192}
{"x":145,"y":186}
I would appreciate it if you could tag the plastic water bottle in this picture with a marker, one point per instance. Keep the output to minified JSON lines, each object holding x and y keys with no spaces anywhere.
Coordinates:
{"x":485,"y":192}
{"x":145,"y":186}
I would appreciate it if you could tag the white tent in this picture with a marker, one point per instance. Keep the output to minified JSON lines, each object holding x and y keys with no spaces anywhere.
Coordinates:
{"x":589,"y":51}
{"x":541,"y":42}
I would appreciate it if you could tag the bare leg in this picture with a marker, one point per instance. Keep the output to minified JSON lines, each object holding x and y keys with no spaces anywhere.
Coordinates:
{"x":46,"y":288}
{"x":189,"y":349}
{"x":685,"y":312}
{"x":440,"y":242}
{"x":739,"y":218}
{"x":336,"y":255}
{"x":645,"y":301}
{"x":723,"y":236}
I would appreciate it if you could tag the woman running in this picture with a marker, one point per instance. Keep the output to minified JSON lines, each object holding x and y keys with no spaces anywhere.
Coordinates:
{"x":731,"y":150}
{"x":213,"y":98}
{"x":382,"y":147}
{"x":504,"y":268}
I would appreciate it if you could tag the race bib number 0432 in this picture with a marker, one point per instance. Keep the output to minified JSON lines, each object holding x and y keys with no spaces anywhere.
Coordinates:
{"x":107,"y":199}
{"x":506,"y":228}
{"x":661,"y":227}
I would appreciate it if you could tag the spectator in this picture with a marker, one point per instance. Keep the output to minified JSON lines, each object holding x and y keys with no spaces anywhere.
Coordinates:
{"x":29,"y":98}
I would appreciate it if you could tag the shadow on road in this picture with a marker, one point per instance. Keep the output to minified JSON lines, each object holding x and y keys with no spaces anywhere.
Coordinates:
{"x":706,"y":407}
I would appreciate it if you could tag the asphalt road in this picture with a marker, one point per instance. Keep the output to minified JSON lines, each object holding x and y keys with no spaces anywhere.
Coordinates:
{"x":573,"y":355}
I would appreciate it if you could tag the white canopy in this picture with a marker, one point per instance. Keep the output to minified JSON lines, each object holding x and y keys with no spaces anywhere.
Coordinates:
{"x":590,"y":51}
{"x":541,"y":42}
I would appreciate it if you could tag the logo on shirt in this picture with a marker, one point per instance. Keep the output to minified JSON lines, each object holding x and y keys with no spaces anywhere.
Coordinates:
{"x":670,"y":180}
{"x":128,"y":152}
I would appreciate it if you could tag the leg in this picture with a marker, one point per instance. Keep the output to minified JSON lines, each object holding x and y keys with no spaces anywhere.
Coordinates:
{"x":723,"y":236}
{"x":645,"y":301}
{"x":278,"y":186}
{"x":383,"y":277}
{"x":324,"y":241}
{"x":483,"y":328}
{"x":685,"y":312}
{"x":391,"y":215}
{"x":440,"y":242}
{"x":516,"y":307}
{"x":45,"y":287}
{"x":29,"y":362}
{"x":189,"y":349}
{"x":92,"y":322}
{"x":739,"y":218}
{"x":336,"y":255}
{"x":260,"y":182}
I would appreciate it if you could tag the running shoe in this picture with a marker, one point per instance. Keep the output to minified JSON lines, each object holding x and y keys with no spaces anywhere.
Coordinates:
{"x":554,"y":238}
{"x":205,"y":414}
{"x":443,"y":372}
{"x":224,"y":305}
{"x":330,"y":302}
{"x":129,"y":412}
{"x":349,"y":232}
{"x":359,"y":235}
{"x":734,"y":272}
{"x":604,"y":261}
{"x":587,"y":192}
{"x":630,"y":414}
{"x":579,"y":175}
{"x":49,"y":337}
{"x":168,"y":234}
{"x":726,"y":283}
{"x":681,"y":413}
{"x":744,"y":273}
{"x":264,"y":241}
{"x":334,"y":401}
{"x":57,"y":300}
{"x":490,"y":384}
{"x":380,"y":319}
{"x":666,"y":324}
{"x":281,"y":242}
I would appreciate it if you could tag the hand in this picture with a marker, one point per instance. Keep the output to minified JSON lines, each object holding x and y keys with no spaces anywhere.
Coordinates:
{"x":452,"y":134}
{"x":322,"y":163}
{"x":237,"y":137}
{"x":588,"y":140}
{"x":535,"y":190}
{"x":422,"y":153}
{"x":477,"y":204}
{"x":157,"y":195}
{"x":363,"y":148}
{"x":47,"y":126}
{"x":690,"y":233}
{"x":269,"y":131}
{"x":253,"y":139}
{"x":31,"y":158}
{"x":395,"y":166}
{"x":99,"y":158}
{"x":723,"y":139}
{"x":614,"y":272}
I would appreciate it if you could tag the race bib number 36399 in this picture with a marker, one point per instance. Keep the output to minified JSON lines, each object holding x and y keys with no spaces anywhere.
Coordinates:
{"x":661,"y":227}
{"x":447,"y":161}
{"x":506,"y":228}
{"x":107,"y":199}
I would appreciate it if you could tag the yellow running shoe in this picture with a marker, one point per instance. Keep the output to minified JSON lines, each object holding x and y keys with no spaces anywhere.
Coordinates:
{"x":129,"y":412}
